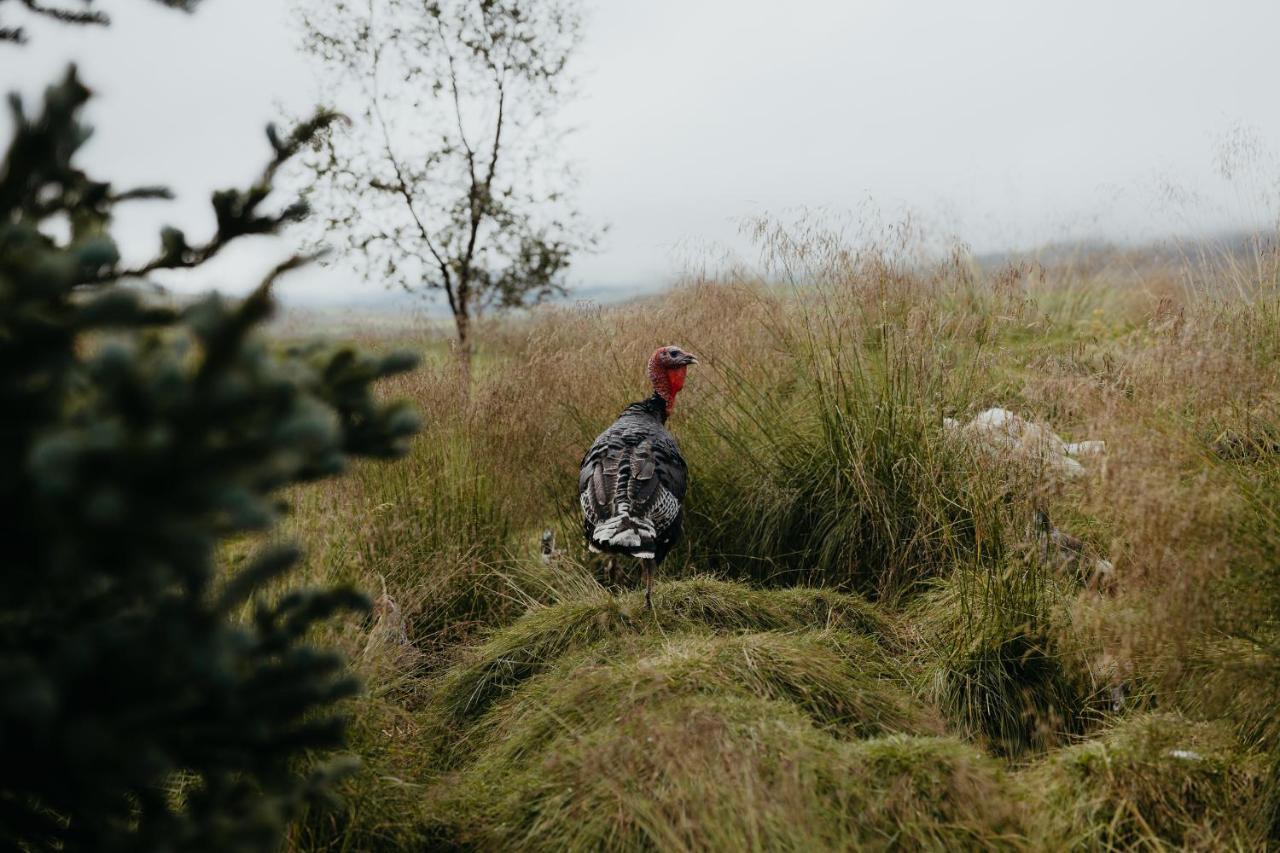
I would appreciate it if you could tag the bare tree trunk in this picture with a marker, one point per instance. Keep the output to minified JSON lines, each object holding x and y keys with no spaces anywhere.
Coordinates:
{"x":462,"y":321}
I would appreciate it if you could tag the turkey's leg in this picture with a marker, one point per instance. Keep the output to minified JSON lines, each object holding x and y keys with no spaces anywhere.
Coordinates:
{"x":611,"y":572}
{"x":648,"y":584}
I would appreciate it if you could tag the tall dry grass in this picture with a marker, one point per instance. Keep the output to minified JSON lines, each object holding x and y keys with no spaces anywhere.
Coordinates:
{"x":813,"y":430}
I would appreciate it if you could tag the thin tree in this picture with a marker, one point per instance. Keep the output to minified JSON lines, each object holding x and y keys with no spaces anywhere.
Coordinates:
{"x":448,"y":180}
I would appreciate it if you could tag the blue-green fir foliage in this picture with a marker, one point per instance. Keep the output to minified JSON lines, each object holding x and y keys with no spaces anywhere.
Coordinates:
{"x":146,"y":702}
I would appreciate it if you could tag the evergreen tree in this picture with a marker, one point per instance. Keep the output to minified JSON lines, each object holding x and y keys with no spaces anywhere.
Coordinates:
{"x":146,"y":701}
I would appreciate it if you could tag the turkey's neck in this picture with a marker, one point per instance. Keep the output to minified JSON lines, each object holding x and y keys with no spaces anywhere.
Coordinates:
{"x":666,"y":385}
{"x":655,"y":406}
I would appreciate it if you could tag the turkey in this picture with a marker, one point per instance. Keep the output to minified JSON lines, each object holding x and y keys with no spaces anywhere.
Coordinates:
{"x":633,"y":478}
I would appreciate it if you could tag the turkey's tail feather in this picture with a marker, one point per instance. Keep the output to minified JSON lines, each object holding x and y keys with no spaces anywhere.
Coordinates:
{"x":624,"y":532}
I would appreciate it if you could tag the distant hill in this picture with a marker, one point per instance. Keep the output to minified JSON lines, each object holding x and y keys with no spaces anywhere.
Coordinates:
{"x":1095,"y":253}
{"x":375,"y":307}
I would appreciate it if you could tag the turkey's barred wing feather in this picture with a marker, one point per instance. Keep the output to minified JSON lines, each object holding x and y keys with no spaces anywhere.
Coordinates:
{"x":671,"y":469}
{"x":664,"y":510}
{"x":596,"y":480}
{"x":643,"y":485}
{"x":603,"y":476}
{"x":669,"y":466}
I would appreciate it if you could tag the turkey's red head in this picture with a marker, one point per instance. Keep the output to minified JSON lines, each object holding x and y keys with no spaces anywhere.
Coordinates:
{"x":667,"y":367}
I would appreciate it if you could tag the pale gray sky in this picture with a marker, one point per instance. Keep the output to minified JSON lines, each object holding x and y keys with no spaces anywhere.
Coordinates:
{"x":1004,"y":123}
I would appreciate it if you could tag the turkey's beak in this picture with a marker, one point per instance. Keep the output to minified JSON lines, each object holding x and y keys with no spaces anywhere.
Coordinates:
{"x":688,"y":358}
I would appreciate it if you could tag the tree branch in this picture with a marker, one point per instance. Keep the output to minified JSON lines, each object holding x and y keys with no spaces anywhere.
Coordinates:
{"x":481,"y":200}
{"x":457,"y":99}
{"x":236,"y":211}
{"x":401,"y":186}
{"x":66,"y":16}
{"x":497,"y":136}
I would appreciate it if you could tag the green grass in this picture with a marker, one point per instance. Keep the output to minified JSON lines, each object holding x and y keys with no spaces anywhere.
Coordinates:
{"x":859,"y":645}
{"x":1156,"y":781}
{"x":995,"y":665}
{"x":842,"y":684}
{"x":740,"y":773}
{"x":843,"y":476}
{"x":535,"y":641}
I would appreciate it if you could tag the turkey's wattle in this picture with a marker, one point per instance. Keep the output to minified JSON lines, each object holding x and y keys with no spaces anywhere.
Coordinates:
{"x":667,"y":379}
{"x":633,"y":479}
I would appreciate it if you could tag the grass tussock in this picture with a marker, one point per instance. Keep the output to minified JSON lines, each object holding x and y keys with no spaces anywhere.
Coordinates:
{"x":841,"y":474}
{"x":844,"y":684}
{"x":535,"y":642}
{"x":739,"y":773}
{"x":994,"y":661}
{"x":1156,"y":781}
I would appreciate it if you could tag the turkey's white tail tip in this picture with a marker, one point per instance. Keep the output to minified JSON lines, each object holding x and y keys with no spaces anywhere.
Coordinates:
{"x":623,"y":532}
{"x":625,"y":539}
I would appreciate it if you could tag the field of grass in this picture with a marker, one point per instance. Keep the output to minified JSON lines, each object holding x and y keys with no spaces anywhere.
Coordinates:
{"x":862,"y":642}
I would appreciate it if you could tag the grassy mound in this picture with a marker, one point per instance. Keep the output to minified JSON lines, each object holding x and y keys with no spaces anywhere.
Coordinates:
{"x":842,"y":683}
{"x":728,"y":718}
{"x":1153,"y":781}
{"x":536,"y":641}
{"x":735,"y":773}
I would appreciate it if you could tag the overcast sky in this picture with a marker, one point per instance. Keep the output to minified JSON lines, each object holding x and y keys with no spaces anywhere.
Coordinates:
{"x":1003,"y":123}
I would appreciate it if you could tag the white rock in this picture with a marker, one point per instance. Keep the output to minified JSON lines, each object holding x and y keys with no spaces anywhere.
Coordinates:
{"x":1087,"y":448}
{"x":1002,"y":430}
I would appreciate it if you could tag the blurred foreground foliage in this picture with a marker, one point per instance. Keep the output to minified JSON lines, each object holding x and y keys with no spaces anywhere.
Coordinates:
{"x":145,"y":704}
